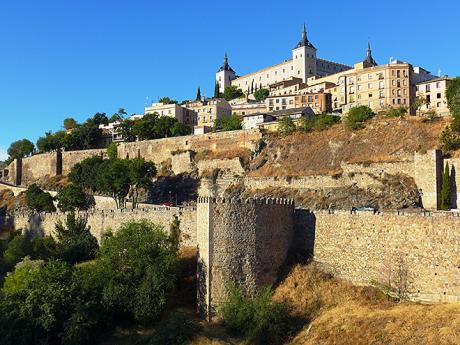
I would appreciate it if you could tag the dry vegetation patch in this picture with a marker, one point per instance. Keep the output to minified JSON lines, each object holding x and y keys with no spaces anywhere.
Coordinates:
{"x":345,"y":314}
{"x":321,"y":152}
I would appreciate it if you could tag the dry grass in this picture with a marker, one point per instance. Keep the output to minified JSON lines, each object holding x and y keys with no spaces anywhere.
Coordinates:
{"x":321,"y":152}
{"x":345,"y":314}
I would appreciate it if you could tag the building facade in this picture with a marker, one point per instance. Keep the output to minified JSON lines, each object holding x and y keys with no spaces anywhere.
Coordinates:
{"x":303,"y":64}
{"x":210,"y":110}
{"x":182,"y":114}
{"x":433,"y":92}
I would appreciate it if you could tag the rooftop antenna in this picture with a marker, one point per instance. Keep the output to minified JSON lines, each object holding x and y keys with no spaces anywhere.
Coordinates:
{"x":391,"y":59}
{"x":439,"y":72}
{"x":147,"y":100}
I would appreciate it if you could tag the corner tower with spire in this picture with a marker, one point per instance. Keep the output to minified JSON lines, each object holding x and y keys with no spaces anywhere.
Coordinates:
{"x":225,"y":74}
{"x":304,"y":57}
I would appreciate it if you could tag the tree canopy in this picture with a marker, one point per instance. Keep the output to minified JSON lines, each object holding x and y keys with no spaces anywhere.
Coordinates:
{"x":167,"y":100}
{"x":232,"y":92}
{"x":453,"y":97}
{"x":261,"y":94}
{"x":21,"y":148}
{"x":228,"y":123}
{"x":38,"y":200}
{"x":70,"y":123}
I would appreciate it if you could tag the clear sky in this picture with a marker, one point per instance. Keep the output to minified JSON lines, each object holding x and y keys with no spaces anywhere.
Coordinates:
{"x":61,"y":58}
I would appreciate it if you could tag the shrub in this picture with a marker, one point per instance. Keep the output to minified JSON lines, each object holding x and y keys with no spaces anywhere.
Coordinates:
{"x":73,"y":197}
{"x":286,"y":126}
{"x":140,"y":262}
{"x":176,"y":330}
{"x":228,"y":123}
{"x":445,"y":189}
{"x":38,"y":200}
{"x":396,"y":112}
{"x":357,"y":116}
{"x":75,"y":241}
{"x":258,"y":319}
{"x":112,"y":151}
{"x":449,"y":140}
{"x":18,"y":248}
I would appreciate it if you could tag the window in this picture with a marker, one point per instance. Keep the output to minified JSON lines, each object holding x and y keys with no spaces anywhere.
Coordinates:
{"x":393,"y":82}
{"x":360,"y":87}
{"x":438,"y":104}
{"x":369,"y":76}
{"x":438,"y":95}
{"x":428,"y":99}
{"x":369,"y":85}
{"x":370,"y":95}
{"x":399,"y":92}
{"x":427,"y":88}
{"x":381,"y":94}
{"x":398,"y":73}
{"x":405,"y":82}
{"x":438,"y":85}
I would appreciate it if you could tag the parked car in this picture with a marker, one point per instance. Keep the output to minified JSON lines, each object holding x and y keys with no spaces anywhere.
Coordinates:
{"x":167,"y":204}
{"x":365,"y":209}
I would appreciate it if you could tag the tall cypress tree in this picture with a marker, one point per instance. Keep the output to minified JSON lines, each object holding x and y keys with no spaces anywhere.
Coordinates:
{"x":198,"y":94}
{"x":216,"y":90}
{"x":445,"y":189}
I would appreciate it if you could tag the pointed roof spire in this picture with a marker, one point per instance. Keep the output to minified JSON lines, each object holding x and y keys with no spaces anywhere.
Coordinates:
{"x":225,"y":66}
{"x":304,"y":42}
{"x":369,"y":59}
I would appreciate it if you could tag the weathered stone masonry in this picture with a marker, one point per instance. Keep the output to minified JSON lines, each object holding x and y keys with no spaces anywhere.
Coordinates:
{"x":240,"y":242}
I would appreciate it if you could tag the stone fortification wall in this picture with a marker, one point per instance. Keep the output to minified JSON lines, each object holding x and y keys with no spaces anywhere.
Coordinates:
{"x":70,"y":158}
{"x":454,"y":165}
{"x":39,"y":166}
{"x":101,"y":221}
{"x":415,"y":252}
{"x":232,"y":166}
{"x":241,"y":242}
{"x":428,"y":177}
{"x":161,"y":150}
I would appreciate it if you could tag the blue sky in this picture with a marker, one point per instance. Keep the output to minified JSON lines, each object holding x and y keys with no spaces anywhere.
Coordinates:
{"x":61,"y":58}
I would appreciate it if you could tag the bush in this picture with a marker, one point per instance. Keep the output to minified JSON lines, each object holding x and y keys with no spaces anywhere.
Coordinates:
{"x":176,"y":330}
{"x":38,"y":200}
{"x":286,"y":126}
{"x":357,"y":116}
{"x":75,"y":241}
{"x":73,"y":197}
{"x":228,"y":123}
{"x":396,"y":112}
{"x":449,"y":140}
{"x":140,"y":262}
{"x":319,"y":122}
{"x":18,"y":248}
{"x":258,"y":319}
{"x":38,"y":298}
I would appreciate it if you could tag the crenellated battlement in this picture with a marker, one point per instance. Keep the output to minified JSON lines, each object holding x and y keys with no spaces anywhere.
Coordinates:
{"x":249,"y":201}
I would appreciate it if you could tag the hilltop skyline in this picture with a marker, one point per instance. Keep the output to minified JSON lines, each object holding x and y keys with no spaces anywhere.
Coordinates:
{"x":73,"y":60}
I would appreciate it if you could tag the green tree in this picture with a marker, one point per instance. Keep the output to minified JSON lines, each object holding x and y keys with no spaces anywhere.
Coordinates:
{"x":357,"y":116}
{"x":51,"y":142}
{"x":70,"y":123}
{"x":112,"y":151}
{"x":43,"y":248}
{"x":38,"y":200}
{"x":39,"y":299}
{"x":141,"y":173}
{"x":179,"y":129}
{"x":167,"y":100}
{"x":118,"y":116}
{"x":198,"y":94}
{"x":449,"y":140}
{"x":417,"y":103}
{"x":228,"y":123}
{"x":163,"y":126}
{"x":286,"y":125}
{"x":126,"y":129}
{"x":445,"y":189}
{"x":140,"y":261}
{"x":84,"y":174}
{"x":75,"y":241}
{"x":72,"y":197}
{"x":453,"y":97}
{"x":232,"y":92}
{"x":261,"y":94}
{"x":216,"y":90}
{"x":112,"y":178}
{"x":20,"y":149}
{"x":145,"y":128}
{"x":18,"y":248}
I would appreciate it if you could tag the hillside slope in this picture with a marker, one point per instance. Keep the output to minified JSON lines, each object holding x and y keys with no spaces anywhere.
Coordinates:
{"x":322,"y":152}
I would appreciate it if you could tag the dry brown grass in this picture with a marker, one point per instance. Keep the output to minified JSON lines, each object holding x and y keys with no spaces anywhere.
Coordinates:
{"x":345,"y":314}
{"x":321,"y":152}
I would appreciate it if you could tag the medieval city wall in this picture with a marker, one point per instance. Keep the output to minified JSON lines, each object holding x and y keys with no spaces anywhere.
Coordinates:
{"x":161,"y":150}
{"x":416,"y":252}
{"x":240,"y":242}
{"x":70,"y":158}
{"x":102,"y":221}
